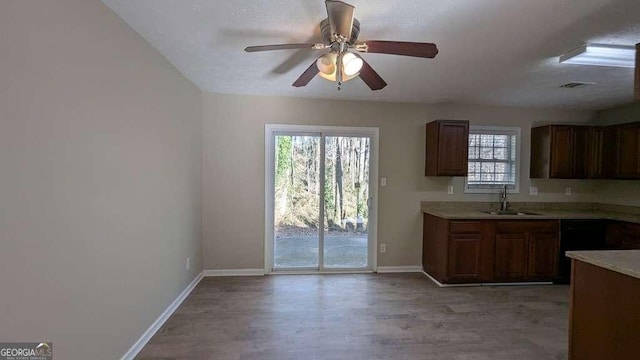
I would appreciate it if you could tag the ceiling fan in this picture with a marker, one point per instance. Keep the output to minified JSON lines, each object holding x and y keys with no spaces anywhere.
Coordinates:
{"x":342,"y":62}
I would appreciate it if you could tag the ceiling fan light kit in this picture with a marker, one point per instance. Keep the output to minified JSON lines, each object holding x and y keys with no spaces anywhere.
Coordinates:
{"x":327,"y":66}
{"x":340,"y":32}
{"x":351,"y":64}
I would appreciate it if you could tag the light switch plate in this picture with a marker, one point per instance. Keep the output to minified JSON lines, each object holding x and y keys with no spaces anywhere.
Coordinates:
{"x":533,"y":191}
{"x":567,"y":191}
{"x":383,"y":181}
{"x":450,"y":189}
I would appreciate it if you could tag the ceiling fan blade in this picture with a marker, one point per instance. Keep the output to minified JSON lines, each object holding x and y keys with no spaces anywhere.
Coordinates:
{"x":284,"y":47}
{"x":307,"y":75}
{"x":340,"y":15}
{"x":423,"y":50}
{"x":637,"y":81}
{"x":370,"y":76}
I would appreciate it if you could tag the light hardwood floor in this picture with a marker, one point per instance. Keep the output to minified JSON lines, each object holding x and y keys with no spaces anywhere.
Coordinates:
{"x":364,"y":316}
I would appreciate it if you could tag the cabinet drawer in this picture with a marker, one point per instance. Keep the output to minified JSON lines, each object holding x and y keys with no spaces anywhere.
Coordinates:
{"x":515,"y":226}
{"x":465,"y":227}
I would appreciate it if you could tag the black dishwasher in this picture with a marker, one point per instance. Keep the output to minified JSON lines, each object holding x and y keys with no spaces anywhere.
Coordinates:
{"x":578,"y":235}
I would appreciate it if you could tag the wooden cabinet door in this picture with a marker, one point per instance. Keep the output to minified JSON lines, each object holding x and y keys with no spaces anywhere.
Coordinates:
{"x":453,"y":148}
{"x":623,"y":235}
{"x":629,"y":236}
{"x":543,"y":255}
{"x":579,"y":152}
{"x":627,"y":151}
{"x":435,"y":246}
{"x":562,"y":145}
{"x":595,"y":152}
{"x":540,"y":152}
{"x":614,"y":235}
{"x":511,"y":256}
{"x":465,"y":256}
{"x":470,"y":251}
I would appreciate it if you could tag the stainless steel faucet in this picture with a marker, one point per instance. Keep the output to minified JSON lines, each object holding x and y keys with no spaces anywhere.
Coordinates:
{"x":504,"y":204}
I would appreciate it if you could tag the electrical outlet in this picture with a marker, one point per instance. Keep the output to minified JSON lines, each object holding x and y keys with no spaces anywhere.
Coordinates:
{"x":383,"y":181}
{"x":533,"y":191}
{"x":450,"y":189}
{"x":383,"y":248}
{"x":567,"y":191}
{"x":188,"y":265}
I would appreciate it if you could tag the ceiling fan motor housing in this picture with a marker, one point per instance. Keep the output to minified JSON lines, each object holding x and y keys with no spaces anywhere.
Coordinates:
{"x":325,"y":30}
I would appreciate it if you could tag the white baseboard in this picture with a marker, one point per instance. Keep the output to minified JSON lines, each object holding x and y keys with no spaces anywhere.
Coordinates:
{"x":316,"y":272}
{"x":234,"y":272}
{"x":486,"y":284}
{"x":144,"y":339}
{"x":448,"y":285}
{"x":533,"y":283}
{"x":400,"y":269}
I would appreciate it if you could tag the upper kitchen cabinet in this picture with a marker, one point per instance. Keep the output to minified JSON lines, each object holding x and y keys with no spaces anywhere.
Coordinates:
{"x":626,"y":151}
{"x":559,"y":151}
{"x":447,"y":148}
{"x":597,"y":137}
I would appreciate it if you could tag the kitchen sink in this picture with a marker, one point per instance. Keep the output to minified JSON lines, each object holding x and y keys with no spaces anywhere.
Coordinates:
{"x":508,"y":212}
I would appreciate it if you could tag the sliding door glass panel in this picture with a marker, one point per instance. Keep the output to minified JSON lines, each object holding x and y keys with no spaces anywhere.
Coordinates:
{"x":346,"y":195}
{"x":296,"y":201}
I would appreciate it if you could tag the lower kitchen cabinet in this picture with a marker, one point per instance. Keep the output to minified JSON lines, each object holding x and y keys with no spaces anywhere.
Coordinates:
{"x":623,"y":235}
{"x":543,"y":255}
{"x":470,"y":252}
{"x":458,"y":251}
{"x":465,"y":252}
{"x":527,"y":250}
{"x":476,"y":251}
{"x":511,"y":256}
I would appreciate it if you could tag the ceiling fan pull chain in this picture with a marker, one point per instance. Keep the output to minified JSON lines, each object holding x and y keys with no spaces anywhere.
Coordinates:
{"x":339,"y":73}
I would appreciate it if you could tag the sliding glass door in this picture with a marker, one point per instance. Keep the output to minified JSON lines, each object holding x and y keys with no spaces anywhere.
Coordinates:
{"x":320,"y":199}
{"x":346,"y":202}
{"x":297,"y":201}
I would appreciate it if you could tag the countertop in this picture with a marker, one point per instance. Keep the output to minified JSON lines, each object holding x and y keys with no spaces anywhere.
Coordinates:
{"x":551,"y":211}
{"x":626,"y":262}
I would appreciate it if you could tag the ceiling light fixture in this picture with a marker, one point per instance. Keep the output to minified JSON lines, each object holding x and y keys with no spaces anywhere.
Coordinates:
{"x":352,"y":64}
{"x":601,"y":55}
{"x":327,"y":65}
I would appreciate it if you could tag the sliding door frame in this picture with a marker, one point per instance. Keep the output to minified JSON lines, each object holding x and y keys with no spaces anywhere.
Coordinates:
{"x":271,"y":130}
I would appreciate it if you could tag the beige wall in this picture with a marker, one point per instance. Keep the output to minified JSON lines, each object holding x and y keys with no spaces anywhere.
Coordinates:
{"x":233,"y":170}
{"x":100,"y":179}
{"x":619,"y":114}
{"x":622,"y":192}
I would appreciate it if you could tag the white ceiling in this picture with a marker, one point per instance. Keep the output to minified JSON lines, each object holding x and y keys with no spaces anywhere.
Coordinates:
{"x":494,"y":52}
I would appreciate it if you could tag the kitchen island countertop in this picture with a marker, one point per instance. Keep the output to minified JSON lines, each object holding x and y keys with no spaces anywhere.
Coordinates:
{"x":626,"y":262}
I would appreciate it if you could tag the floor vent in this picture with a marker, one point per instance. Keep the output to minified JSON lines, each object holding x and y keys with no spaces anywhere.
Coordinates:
{"x":575,"y":84}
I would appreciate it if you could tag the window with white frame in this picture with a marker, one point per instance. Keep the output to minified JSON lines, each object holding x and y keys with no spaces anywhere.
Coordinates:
{"x":494,"y":159}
